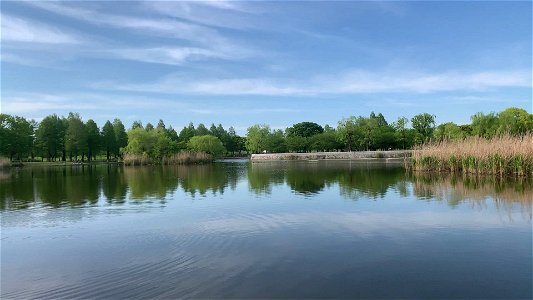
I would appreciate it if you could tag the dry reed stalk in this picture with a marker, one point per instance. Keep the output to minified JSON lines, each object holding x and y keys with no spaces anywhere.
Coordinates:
{"x":180,"y":158}
{"x":503,"y":155}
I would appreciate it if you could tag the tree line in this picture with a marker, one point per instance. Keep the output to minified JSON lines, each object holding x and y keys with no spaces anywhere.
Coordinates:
{"x":358,"y":133}
{"x":70,"y":138}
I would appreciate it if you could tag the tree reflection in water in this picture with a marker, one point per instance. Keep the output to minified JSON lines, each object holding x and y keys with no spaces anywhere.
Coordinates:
{"x":115,"y":185}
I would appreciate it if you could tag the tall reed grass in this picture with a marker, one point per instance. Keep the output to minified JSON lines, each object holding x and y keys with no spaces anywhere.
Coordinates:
{"x":180,"y":158}
{"x":504,"y":155}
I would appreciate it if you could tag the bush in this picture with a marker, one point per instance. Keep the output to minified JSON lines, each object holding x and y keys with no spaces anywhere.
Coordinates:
{"x":208,"y":144}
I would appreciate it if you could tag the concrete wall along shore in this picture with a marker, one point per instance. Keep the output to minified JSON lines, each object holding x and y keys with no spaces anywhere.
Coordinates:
{"x":394,"y":154}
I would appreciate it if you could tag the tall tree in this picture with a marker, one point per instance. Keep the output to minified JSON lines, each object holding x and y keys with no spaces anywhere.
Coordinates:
{"x":424,"y":124}
{"x":137,"y":124}
{"x":76,"y":136}
{"x":201,"y":130}
{"x":149,"y":126}
{"x":161,"y":125}
{"x":109,"y":142}
{"x":16,"y":136}
{"x":121,"y":136}
{"x":49,"y":137}
{"x":93,"y":139}
{"x":187,"y":133}
{"x":256,"y":138}
{"x":515,"y":121}
{"x":348,"y":132}
{"x":304,"y":129}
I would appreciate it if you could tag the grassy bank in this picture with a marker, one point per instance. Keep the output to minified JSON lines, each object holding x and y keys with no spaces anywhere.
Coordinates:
{"x":180,"y":158}
{"x":505,"y":155}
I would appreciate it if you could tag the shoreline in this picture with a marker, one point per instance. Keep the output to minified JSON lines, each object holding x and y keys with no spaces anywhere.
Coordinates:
{"x":354,"y":155}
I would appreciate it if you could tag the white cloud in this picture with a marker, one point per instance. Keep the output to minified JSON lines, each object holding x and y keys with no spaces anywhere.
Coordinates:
{"x":169,"y":55}
{"x":353,"y":82}
{"x":162,"y":26}
{"x":19,"y":30}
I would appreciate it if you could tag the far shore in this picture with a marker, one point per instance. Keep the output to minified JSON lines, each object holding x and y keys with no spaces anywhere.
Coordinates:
{"x":354,"y":155}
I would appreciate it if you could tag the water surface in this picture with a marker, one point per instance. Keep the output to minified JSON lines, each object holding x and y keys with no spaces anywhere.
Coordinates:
{"x":263,"y":230}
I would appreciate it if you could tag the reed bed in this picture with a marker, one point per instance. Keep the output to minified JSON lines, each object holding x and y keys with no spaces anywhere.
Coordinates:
{"x":502,"y":156}
{"x":180,"y":158}
{"x":187,"y":158}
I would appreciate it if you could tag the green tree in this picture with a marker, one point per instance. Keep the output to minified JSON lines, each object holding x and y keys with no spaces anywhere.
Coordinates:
{"x":326,"y":141}
{"x":187,"y":133}
{"x":161,"y":125}
{"x":201,"y":130}
{"x":448,"y":131}
{"x":149,"y":126}
{"x":207,"y":143}
{"x":121,"y":137}
{"x":275,"y":142}
{"x":424,"y":125}
{"x":93,"y":139}
{"x":348,"y":133}
{"x":304,"y":129}
{"x":403,"y":136}
{"x":141,"y":141}
{"x":137,"y":124}
{"x":16,"y":136}
{"x":76,"y":137}
{"x":515,"y":121}
{"x":297,"y":143}
{"x":256,"y":138}
{"x":50,"y":136}
{"x":485,"y":125}
{"x":109,"y":141}
{"x":172,"y":134}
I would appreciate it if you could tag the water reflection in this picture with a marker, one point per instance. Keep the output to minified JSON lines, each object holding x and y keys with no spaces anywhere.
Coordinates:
{"x":505,"y":193}
{"x":86,"y":185}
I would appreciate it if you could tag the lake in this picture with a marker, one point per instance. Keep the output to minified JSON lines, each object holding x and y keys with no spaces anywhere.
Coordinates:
{"x":236,"y":229}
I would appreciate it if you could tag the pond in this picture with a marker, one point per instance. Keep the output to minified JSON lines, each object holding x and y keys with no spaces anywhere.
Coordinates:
{"x":236,"y":229}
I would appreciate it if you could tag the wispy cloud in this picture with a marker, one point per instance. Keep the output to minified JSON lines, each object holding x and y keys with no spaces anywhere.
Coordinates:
{"x":25,"y":31}
{"x":223,"y":14}
{"x":351,"y":82}
{"x":163,"y":26}
{"x":43,"y":103}
{"x":189,"y":41}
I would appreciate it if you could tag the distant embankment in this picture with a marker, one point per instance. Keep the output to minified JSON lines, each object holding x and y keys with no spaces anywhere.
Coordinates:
{"x":332,"y":155}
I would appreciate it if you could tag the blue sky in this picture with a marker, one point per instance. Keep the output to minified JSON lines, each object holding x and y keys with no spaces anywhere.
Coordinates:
{"x":242,"y":63}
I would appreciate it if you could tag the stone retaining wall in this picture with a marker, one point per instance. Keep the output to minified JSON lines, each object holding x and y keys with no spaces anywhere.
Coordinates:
{"x":332,"y":155}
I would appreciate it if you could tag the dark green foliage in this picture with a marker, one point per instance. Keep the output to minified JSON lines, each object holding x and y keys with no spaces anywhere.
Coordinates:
{"x":424,"y":125}
{"x":201,"y":130}
{"x":304,"y":129}
{"x":326,"y":141}
{"x":50,"y":137}
{"x":137,"y":124}
{"x":16,"y":136}
{"x":109,"y":142}
{"x":275,"y":142}
{"x":93,"y":139}
{"x":76,"y":137}
{"x":187,"y":133}
{"x":121,"y":137}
